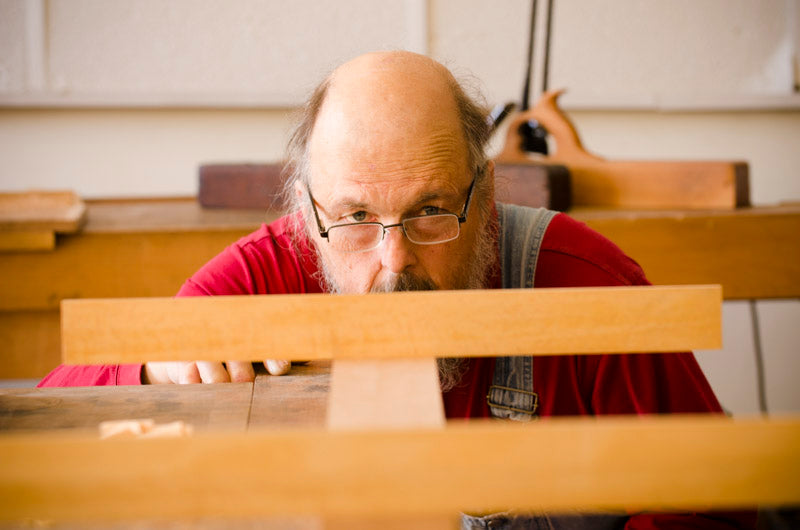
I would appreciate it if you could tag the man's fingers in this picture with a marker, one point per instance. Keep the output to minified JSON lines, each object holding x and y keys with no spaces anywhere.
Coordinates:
{"x":277,"y":367}
{"x":241,"y":371}
{"x":188,"y":373}
{"x":211,"y":372}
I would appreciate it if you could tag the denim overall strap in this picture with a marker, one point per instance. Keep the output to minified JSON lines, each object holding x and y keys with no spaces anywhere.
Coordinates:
{"x":522,"y":229}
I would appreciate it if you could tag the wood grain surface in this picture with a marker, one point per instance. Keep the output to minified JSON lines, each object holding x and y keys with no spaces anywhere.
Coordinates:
{"x":205,"y":407}
{"x":299,"y":398}
{"x":629,"y":464}
{"x":296,"y":399}
{"x":409,"y":324}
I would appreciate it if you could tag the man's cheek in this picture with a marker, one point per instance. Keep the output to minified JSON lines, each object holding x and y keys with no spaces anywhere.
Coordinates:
{"x":356,"y":274}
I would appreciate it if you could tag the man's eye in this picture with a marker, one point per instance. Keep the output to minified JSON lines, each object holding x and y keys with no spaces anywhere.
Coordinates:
{"x":431,"y":210}
{"x":359,"y":216}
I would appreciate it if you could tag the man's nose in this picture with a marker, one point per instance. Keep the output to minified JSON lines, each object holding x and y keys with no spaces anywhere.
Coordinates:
{"x":397,"y":252}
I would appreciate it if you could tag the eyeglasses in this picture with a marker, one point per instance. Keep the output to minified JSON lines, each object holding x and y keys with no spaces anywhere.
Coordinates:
{"x":422,"y":230}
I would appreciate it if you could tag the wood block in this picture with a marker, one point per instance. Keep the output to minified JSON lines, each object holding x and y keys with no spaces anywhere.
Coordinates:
{"x":390,"y":325}
{"x":59,"y":211}
{"x":385,"y":394}
{"x":660,"y":184}
{"x":629,"y":184}
{"x":29,"y":220}
{"x":535,"y":185}
{"x":258,"y":185}
{"x":254,"y":186}
{"x":626,"y":464}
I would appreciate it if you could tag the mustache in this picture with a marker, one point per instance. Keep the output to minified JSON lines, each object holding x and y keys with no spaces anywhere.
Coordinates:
{"x":405,"y":281}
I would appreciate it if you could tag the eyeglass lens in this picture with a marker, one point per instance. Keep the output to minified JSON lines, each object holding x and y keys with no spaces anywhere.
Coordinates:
{"x":429,"y":229}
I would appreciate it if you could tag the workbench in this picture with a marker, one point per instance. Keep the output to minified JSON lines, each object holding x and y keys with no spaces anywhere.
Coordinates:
{"x":296,"y":399}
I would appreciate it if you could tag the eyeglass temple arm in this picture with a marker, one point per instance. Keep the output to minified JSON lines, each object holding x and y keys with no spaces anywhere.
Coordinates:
{"x":463,"y":217}
{"x":320,"y":227}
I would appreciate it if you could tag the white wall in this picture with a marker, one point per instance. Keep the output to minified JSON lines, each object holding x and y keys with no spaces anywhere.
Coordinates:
{"x":129,"y":97}
{"x":122,"y":91}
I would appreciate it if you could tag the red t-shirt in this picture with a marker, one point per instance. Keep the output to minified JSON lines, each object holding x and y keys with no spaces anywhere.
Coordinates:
{"x":572,"y":255}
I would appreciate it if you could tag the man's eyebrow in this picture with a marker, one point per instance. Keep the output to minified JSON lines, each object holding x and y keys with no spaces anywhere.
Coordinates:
{"x":348,"y":203}
{"x":437,"y":195}
{"x":351,"y":203}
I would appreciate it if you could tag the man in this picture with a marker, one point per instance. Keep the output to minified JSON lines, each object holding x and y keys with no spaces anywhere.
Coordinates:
{"x":390,"y":190}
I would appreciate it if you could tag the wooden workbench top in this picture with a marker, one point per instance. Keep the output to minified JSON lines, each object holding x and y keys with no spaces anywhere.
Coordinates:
{"x":296,"y":399}
{"x":168,"y":214}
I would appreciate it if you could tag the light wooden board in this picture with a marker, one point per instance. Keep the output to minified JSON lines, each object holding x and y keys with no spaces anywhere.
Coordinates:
{"x":656,"y":463}
{"x":385,"y":394}
{"x":409,"y":324}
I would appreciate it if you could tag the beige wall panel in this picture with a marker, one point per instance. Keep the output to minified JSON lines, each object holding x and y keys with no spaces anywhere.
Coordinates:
{"x":131,"y":153}
{"x":780,"y":339}
{"x":265,"y":51}
{"x":731,"y":371}
{"x":661,"y":52}
{"x":487,"y":40}
{"x":101,"y":153}
{"x":12,"y":45}
{"x":629,"y":53}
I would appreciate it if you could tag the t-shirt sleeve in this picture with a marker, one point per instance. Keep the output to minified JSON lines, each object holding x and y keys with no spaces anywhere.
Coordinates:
{"x":93,"y":375}
{"x":268,"y":261}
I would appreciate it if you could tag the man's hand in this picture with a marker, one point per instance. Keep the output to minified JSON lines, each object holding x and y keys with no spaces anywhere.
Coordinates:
{"x":182,"y":373}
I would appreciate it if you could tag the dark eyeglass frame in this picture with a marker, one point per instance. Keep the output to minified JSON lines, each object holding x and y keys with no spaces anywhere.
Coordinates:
{"x":323,"y":232}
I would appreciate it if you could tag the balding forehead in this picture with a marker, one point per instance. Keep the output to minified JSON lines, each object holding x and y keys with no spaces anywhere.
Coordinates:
{"x":393,"y":75}
{"x":392,"y":89}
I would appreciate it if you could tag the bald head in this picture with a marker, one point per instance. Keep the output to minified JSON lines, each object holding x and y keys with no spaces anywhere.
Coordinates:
{"x":394,"y":78}
{"x":390,"y":90}
{"x":392,"y":114}
{"x":389,"y":97}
